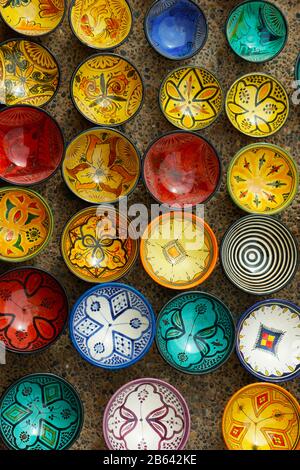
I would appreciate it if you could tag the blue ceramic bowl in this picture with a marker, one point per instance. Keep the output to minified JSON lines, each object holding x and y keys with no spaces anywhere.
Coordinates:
{"x":176,"y":29}
{"x":112,"y":326}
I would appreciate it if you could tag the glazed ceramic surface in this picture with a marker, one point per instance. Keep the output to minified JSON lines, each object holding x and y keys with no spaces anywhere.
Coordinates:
{"x":29,"y":73}
{"x":146,"y":414}
{"x":26,"y":224}
{"x":262,"y":178}
{"x":259,"y":254}
{"x":195,"y":332}
{"x":257,"y":105}
{"x":178,"y":252}
{"x":107,"y":89}
{"x":96,"y":247}
{"x":40,"y":412}
{"x":176,"y":29}
{"x":256,"y":31}
{"x":262,"y":416}
{"x":181,"y":168}
{"x":31,"y":145}
{"x":101,"y":24}
{"x":101,"y":165}
{"x":191,"y":98}
{"x":268,"y":340}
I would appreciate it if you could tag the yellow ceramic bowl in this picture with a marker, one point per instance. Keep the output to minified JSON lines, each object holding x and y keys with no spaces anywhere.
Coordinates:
{"x":102,"y":24}
{"x":33,"y":17}
{"x":101,"y":165}
{"x":257,"y":105}
{"x":262,"y":179}
{"x":107,"y":89}
{"x":191,"y":98}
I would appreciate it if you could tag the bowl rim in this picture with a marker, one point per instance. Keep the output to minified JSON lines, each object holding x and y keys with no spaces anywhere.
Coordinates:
{"x":113,"y":54}
{"x":175,"y":391}
{"x":174,"y":59}
{"x":297,"y":68}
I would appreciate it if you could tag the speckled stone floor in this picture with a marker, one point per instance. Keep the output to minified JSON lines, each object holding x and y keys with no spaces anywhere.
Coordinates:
{"x":206,"y":395}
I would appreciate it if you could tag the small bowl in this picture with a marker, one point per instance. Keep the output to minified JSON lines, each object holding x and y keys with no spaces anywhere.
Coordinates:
{"x":268,"y":340}
{"x":176,"y":29}
{"x":256,"y":30}
{"x":297,"y":68}
{"x":181,"y":168}
{"x":195,"y":333}
{"x":179,"y":250}
{"x":95,"y":245}
{"x":31,"y":145}
{"x":101,"y":26}
{"x":146,"y":414}
{"x":259,"y":254}
{"x":40,"y":412}
{"x":191,"y":98}
{"x":32,"y":79}
{"x":101,"y":165}
{"x":261,"y":416}
{"x":262,"y":179}
{"x":112,"y":326}
{"x":107,"y":89}
{"x":26,"y":224}
{"x":257,"y":105}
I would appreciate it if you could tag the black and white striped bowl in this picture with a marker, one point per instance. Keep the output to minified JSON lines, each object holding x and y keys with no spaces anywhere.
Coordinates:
{"x":259,"y":254}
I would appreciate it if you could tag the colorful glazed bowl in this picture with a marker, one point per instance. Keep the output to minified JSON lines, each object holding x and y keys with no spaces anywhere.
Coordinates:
{"x":195,"y":333}
{"x":40,"y":412}
{"x":107,"y":89}
{"x":176,"y":29}
{"x":257,"y":105}
{"x":29,"y":73}
{"x":101,"y":24}
{"x":259,"y":254}
{"x":26,"y":224}
{"x":181,"y":168}
{"x":256,"y":31}
{"x":261,"y":416}
{"x":101,"y":165}
{"x":112,"y":326}
{"x":31,"y":145}
{"x":297,"y":68}
{"x":146,"y":414}
{"x":268,"y":340}
{"x":95,"y":245}
{"x":179,"y":250}
{"x":191,"y":98}
{"x":262,"y":179}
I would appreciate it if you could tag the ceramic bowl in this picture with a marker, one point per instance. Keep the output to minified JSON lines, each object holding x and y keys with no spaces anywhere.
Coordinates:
{"x":257,"y":105}
{"x":146,"y":414}
{"x":101,"y":165}
{"x":95,"y":245}
{"x":268,"y":340}
{"x":297,"y":68}
{"x":31,"y":145}
{"x":261,"y":416}
{"x":181,"y":168}
{"x":33,"y":17}
{"x":112,"y":326}
{"x":262,"y":179}
{"x":107,"y":89}
{"x":102,"y":24}
{"x":40,"y":412}
{"x":191,"y":98}
{"x":26,"y":224}
{"x":179,"y":250}
{"x":256,"y":31}
{"x":195,"y":333}
{"x":259,"y":254}
{"x":176,"y":29}
{"x":29,"y":73}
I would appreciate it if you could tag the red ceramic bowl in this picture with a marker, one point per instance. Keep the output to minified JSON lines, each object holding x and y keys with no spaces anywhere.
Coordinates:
{"x":31,"y":145}
{"x":181,"y":168}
